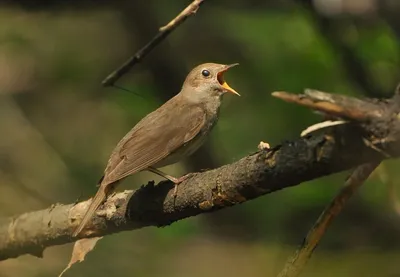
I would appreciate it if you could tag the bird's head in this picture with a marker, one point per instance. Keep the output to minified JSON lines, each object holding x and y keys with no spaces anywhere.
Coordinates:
{"x":207,"y":81}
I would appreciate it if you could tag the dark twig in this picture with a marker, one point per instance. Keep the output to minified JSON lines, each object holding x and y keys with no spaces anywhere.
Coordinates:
{"x":161,"y":35}
{"x":296,"y":264}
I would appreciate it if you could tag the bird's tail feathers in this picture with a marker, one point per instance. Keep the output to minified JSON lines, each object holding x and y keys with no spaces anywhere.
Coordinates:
{"x":97,"y":200}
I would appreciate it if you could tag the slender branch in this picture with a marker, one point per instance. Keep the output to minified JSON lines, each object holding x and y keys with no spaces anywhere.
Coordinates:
{"x":189,"y":10}
{"x":334,"y":105}
{"x":158,"y":38}
{"x":339,"y":148}
{"x":296,"y":264}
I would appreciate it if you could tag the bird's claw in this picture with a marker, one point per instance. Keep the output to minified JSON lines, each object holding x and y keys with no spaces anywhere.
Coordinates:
{"x":179,"y":180}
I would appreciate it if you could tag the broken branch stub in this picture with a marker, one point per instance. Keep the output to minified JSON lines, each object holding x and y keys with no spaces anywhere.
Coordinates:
{"x":378,"y":118}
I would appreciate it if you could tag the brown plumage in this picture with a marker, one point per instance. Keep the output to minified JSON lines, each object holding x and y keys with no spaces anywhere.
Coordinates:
{"x":172,"y":132}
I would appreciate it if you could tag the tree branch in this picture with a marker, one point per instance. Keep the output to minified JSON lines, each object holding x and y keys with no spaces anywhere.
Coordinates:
{"x":365,"y":139}
{"x":295,"y":265}
{"x":161,"y":35}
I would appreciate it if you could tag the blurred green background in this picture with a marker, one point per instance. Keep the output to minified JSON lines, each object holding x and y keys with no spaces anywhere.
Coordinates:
{"x":58,"y":126}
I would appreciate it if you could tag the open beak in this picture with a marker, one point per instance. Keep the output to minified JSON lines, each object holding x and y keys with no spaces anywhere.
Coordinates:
{"x":222,"y":82}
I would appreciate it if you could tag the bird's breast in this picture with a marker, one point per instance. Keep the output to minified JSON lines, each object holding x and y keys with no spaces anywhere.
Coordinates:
{"x":194,"y":144}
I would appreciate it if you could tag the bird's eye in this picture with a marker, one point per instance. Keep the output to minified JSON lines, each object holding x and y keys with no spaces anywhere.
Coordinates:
{"x":205,"y":73}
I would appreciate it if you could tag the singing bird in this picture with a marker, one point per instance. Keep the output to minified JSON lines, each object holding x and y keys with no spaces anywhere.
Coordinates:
{"x":167,"y":135}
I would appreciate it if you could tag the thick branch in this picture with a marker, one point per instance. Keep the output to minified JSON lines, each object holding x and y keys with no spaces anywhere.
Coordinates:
{"x":340,"y":148}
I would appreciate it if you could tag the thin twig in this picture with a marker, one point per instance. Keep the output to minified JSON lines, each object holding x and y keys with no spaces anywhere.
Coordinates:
{"x":161,"y":35}
{"x":321,"y":125}
{"x":188,"y":11}
{"x":296,"y":264}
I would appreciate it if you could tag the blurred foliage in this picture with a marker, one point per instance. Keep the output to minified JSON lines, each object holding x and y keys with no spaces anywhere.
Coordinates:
{"x":59,"y":125}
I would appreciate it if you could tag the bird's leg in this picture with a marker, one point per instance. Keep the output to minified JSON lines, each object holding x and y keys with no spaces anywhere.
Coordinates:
{"x":174,"y":180}
{"x":164,"y":175}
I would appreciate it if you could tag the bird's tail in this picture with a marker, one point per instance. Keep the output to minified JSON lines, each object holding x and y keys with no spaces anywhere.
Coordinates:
{"x":98,"y":199}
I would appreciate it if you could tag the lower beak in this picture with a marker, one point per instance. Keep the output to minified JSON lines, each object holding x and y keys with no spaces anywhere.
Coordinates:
{"x":221,"y":80}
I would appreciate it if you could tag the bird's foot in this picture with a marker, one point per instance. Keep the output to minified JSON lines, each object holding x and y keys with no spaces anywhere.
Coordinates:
{"x":174,"y":180}
{"x":182,"y":178}
{"x":179,"y":180}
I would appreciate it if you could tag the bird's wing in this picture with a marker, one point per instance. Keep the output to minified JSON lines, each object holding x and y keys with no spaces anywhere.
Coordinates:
{"x":153,"y":139}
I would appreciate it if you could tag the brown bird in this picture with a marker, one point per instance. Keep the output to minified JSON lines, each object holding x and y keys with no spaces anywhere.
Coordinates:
{"x":172,"y":132}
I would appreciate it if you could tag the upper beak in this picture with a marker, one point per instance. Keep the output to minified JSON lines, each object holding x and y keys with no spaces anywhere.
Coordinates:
{"x":221,"y":80}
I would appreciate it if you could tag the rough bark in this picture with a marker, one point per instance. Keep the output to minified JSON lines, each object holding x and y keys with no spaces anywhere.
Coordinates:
{"x":372,"y":134}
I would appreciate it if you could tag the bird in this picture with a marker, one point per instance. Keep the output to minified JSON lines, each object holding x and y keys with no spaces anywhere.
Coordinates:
{"x":168,"y":134}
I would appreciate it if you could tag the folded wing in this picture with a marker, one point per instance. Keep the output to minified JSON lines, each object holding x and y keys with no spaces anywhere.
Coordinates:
{"x":154,"y":138}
